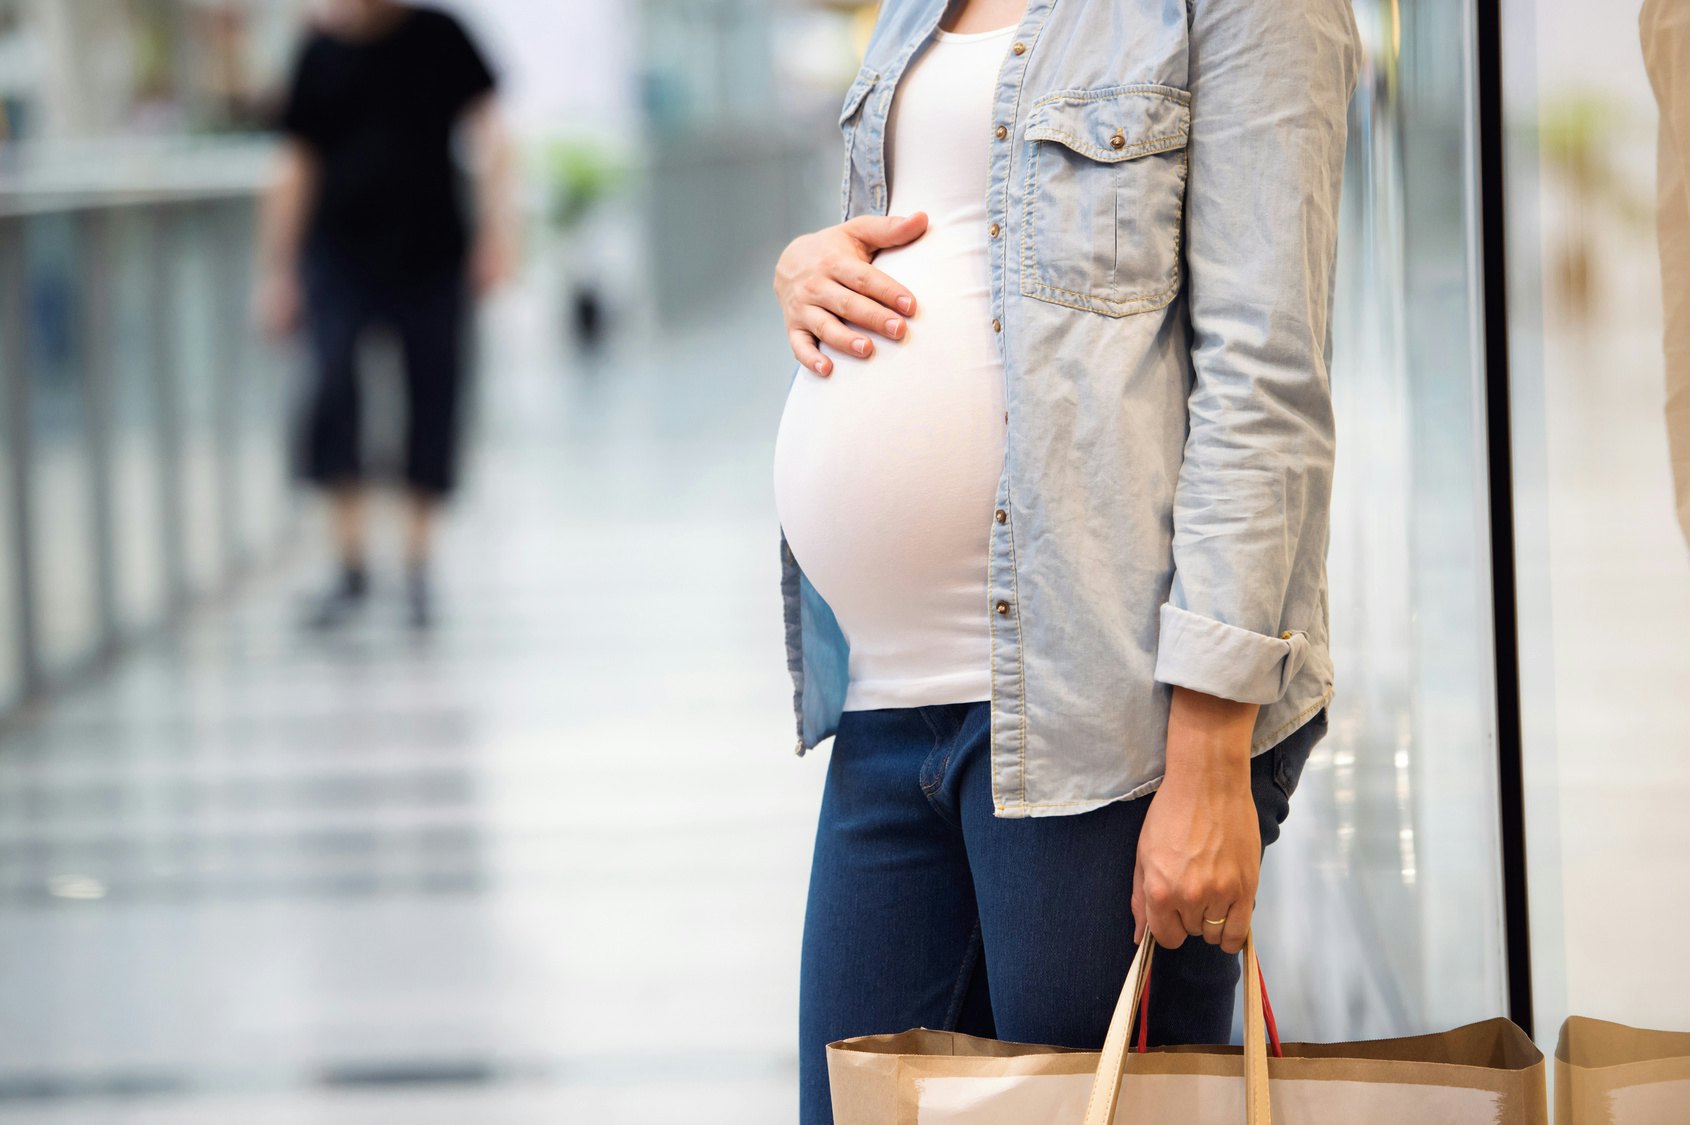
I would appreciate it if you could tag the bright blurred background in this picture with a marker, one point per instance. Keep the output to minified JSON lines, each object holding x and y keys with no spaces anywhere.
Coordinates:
{"x":547,"y":862}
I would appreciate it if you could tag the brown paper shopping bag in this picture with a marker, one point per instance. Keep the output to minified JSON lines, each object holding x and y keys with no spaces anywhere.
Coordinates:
{"x":1484,"y":1074}
{"x":1611,"y":1074}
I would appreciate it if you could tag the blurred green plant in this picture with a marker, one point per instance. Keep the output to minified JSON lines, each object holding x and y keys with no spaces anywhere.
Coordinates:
{"x":1574,"y":138}
{"x":579,"y":174}
{"x":1577,"y":135}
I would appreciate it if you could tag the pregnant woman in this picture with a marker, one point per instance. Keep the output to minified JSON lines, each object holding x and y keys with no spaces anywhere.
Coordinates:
{"x":1053,"y":482}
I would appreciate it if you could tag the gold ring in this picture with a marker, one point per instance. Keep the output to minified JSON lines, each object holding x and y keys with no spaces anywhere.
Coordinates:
{"x":1214,"y":921}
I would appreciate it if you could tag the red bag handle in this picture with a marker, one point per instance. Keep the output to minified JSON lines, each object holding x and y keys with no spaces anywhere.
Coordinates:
{"x":1267,"y":1012}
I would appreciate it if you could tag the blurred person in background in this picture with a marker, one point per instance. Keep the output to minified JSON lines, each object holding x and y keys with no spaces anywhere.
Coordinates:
{"x":364,"y":225}
{"x":1054,"y":483}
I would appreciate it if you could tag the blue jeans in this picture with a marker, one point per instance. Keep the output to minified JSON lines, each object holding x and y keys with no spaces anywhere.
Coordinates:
{"x":925,"y":910}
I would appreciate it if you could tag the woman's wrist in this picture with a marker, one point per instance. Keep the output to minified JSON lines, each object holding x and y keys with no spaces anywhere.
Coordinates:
{"x":1209,"y":740}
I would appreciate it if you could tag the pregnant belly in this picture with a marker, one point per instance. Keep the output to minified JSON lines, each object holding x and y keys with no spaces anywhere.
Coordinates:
{"x":886,"y":471}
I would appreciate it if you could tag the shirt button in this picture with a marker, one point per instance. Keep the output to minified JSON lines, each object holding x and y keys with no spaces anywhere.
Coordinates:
{"x":997,"y":326}
{"x":1285,"y":636}
{"x":1019,"y":48}
{"x":1001,"y":132}
{"x":1119,"y":140}
{"x":1002,"y":516}
{"x":1003,"y":609}
{"x":993,"y":230}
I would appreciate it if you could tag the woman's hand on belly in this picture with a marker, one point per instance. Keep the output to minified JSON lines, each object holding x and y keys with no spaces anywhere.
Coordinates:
{"x":825,"y":284}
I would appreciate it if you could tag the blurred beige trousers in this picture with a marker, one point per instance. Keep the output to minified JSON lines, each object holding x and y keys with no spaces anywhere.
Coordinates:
{"x":1666,"y":52}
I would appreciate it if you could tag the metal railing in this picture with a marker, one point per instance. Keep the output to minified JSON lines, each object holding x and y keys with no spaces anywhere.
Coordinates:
{"x":142,"y":422}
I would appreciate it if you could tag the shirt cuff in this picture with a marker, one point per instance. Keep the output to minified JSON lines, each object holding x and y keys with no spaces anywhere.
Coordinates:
{"x":1218,"y":659}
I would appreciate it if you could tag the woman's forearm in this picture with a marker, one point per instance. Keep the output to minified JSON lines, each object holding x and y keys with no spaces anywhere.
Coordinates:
{"x":1209,"y":738}
{"x":284,"y":208}
{"x":494,"y":177}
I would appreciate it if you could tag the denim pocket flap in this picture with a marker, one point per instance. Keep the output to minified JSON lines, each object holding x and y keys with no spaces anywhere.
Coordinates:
{"x":1113,"y":123}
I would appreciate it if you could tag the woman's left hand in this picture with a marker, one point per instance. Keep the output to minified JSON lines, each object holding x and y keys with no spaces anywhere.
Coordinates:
{"x":1199,"y":854}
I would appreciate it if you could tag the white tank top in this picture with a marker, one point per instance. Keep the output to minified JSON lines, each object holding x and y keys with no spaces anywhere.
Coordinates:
{"x":886,"y":471}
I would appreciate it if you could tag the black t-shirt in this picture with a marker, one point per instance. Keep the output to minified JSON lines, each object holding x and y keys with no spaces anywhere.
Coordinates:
{"x":379,"y":114}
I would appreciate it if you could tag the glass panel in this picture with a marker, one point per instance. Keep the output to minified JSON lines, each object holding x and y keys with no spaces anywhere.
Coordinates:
{"x":1386,"y":874}
{"x":1604,"y":577}
{"x":257,"y":383}
{"x":193,"y":383}
{"x":11,"y":651}
{"x":62,"y":520}
{"x":137,"y":466}
{"x":11,"y":654}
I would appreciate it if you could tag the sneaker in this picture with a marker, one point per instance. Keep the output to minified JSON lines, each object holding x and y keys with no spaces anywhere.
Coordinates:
{"x":340,"y":604}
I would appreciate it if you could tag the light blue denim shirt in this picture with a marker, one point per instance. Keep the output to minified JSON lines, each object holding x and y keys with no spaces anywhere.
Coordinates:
{"x":1163,"y":201}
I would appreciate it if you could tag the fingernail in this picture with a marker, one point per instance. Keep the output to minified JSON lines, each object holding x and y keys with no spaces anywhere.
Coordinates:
{"x":860,"y":346}
{"x":905,"y":305}
{"x":821,"y":367}
{"x":893,"y":327}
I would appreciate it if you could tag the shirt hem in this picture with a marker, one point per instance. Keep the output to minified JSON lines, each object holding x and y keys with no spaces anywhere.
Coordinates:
{"x":1022,"y":810}
{"x":931,"y":691}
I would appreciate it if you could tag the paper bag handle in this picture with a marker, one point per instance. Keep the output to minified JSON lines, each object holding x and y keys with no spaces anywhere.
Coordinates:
{"x":1143,"y":1042}
{"x":1111,"y":1067}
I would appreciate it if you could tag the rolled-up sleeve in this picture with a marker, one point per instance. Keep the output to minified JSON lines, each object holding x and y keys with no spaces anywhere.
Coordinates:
{"x":1270,"y":87}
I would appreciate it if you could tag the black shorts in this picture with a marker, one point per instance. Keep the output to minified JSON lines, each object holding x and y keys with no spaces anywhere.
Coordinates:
{"x":428,"y":315}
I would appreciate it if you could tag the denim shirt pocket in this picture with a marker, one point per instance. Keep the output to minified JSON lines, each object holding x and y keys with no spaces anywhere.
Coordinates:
{"x":849,"y":114}
{"x":1104,"y":197}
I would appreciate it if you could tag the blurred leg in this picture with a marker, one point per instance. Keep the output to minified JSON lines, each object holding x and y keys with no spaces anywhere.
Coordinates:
{"x":420,"y":511}
{"x":431,"y":321}
{"x":337,"y":315}
{"x":337,"y":311}
{"x":346,"y":523}
{"x":891,"y":940}
{"x":350,"y":589}
{"x":421,"y":508}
